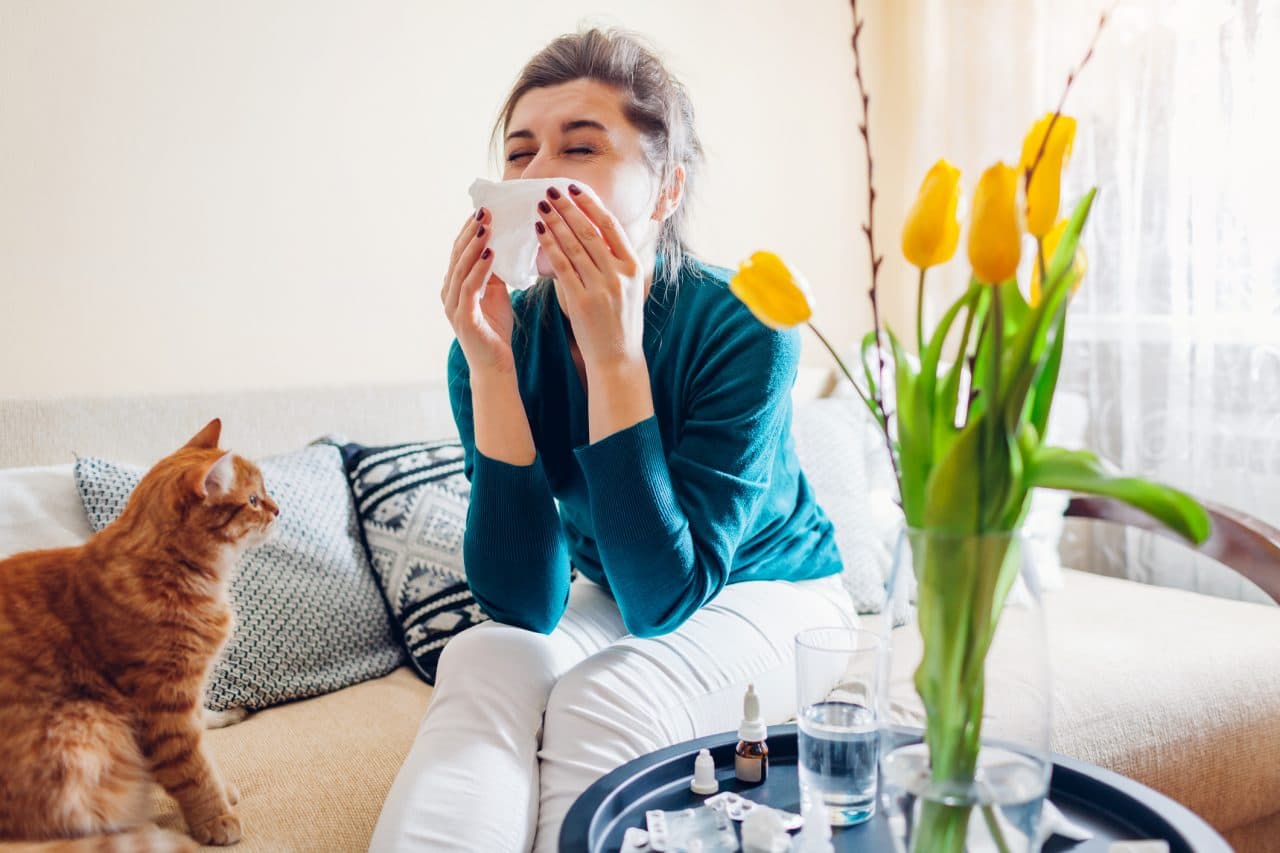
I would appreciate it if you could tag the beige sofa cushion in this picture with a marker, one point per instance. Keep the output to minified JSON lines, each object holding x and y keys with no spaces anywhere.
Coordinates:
{"x":313,"y":774}
{"x":1178,"y":690}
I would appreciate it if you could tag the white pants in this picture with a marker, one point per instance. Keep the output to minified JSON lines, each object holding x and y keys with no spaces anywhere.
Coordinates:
{"x":592,"y":697}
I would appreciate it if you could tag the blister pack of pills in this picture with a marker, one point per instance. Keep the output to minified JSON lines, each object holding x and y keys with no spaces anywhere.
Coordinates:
{"x":738,"y":807}
{"x":707,"y":829}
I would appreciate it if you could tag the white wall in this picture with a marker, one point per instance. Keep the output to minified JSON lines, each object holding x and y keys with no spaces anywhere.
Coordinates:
{"x":203,"y":196}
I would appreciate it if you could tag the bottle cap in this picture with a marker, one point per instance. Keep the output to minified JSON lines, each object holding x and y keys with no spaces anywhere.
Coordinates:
{"x":704,"y":774}
{"x":753,"y":727}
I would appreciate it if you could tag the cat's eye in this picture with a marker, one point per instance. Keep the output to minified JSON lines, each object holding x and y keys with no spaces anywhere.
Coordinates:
{"x":253,"y":500}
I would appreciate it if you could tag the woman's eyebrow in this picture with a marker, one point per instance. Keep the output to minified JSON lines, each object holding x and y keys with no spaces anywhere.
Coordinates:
{"x":576,"y":124}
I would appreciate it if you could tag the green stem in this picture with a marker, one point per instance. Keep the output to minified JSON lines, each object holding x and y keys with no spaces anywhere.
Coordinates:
{"x":952,"y":386}
{"x":839,"y":363}
{"x":993,"y":827}
{"x":964,"y":336}
{"x":960,"y":586}
{"x":884,"y":425}
{"x":1044,"y":275}
{"x":997,"y":342}
{"x":920,"y":313}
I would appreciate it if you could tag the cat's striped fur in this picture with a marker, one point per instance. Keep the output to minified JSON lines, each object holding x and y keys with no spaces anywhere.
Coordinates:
{"x":104,"y":653}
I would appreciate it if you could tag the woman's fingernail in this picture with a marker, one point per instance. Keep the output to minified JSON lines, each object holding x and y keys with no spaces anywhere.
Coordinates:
{"x":574,"y":190}
{"x":544,"y":207}
{"x":479,"y":214}
{"x":484,"y":256}
{"x":480,"y":233}
{"x":542,"y":229}
{"x":553,"y":193}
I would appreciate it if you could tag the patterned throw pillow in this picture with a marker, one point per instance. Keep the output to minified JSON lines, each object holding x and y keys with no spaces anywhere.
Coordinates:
{"x":412,"y":501}
{"x":308,"y":615}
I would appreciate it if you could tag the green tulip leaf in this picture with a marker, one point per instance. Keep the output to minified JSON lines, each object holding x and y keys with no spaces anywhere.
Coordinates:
{"x":1082,"y":471}
{"x":1065,"y":253}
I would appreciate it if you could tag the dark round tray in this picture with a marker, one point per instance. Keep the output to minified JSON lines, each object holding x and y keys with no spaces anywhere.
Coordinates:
{"x":1112,"y":807}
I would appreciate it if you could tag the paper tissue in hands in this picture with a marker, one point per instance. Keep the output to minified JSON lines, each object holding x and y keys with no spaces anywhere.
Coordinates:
{"x":513,"y":206}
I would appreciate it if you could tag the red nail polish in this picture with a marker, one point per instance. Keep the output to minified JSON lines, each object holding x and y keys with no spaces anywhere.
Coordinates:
{"x":480,"y":233}
{"x":542,"y":229}
{"x":544,"y":207}
{"x":553,"y":193}
{"x":484,"y":256}
{"x":479,"y":214}
{"x":574,"y":189}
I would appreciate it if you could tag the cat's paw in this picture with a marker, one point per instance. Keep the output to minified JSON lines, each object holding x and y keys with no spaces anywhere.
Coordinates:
{"x":222,"y":719}
{"x":233,"y":794}
{"x":221,"y":830}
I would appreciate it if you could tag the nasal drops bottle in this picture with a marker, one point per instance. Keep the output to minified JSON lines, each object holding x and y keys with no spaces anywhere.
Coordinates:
{"x":751,"y":759}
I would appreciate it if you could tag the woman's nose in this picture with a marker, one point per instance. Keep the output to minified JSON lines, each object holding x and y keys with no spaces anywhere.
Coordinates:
{"x":538,"y":167}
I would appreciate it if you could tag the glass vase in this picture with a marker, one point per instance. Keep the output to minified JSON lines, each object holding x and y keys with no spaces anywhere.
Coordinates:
{"x":965,"y":703}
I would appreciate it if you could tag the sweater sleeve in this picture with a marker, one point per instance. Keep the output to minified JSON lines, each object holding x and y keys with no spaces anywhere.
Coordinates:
{"x":668,"y":524}
{"x":514,"y":551}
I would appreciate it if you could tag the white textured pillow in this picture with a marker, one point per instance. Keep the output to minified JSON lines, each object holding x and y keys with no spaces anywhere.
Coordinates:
{"x":40,"y":508}
{"x":836,"y":443}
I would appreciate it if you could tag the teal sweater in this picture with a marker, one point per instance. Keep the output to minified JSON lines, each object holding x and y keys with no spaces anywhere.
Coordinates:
{"x":662,"y":514}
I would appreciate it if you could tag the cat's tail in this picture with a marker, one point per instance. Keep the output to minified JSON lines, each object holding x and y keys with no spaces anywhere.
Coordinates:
{"x":149,"y":839}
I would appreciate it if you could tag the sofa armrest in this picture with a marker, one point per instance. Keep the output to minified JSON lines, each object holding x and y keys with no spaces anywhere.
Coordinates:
{"x":1242,"y":543}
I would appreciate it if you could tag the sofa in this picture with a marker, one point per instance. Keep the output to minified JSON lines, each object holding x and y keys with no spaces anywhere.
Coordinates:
{"x":1175,"y":689}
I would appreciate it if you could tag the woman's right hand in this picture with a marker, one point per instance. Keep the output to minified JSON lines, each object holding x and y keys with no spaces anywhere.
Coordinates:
{"x":480,"y":313}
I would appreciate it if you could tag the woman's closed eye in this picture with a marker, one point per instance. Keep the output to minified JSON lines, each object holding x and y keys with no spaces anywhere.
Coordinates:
{"x":576,"y":150}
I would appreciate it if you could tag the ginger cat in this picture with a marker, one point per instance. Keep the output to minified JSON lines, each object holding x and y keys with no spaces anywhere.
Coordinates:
{"x":104,"y":653}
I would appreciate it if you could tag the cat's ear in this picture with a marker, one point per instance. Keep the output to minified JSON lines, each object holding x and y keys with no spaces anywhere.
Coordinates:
{"x":207,"y":438}
{"x":217,"y":479}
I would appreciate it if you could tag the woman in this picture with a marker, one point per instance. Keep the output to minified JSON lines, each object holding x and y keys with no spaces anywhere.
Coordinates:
{"x":634,"y":389}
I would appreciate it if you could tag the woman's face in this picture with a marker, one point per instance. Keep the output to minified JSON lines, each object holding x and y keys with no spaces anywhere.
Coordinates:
{"x":577,"y":130}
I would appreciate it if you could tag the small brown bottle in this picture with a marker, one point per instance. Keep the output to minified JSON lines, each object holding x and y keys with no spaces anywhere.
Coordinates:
{"x":751,"y":759}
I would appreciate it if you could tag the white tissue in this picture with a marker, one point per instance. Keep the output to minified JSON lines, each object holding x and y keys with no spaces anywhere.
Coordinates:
{"x":762,"y":832}
{"x":513,"y":206}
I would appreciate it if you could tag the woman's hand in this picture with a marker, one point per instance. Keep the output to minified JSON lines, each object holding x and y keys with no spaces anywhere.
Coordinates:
{"x":480,"y":313}
{"x":598,"y":279}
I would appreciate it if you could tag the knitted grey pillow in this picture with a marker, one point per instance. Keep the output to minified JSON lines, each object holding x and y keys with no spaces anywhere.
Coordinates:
{"x":309,"y":617}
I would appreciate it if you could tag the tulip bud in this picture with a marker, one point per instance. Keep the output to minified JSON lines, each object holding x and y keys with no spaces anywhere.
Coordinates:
{"x":776,"y":296}
{"x":995,"y":240}
{"x":931,"y":232}
{"x":1043,"y":193}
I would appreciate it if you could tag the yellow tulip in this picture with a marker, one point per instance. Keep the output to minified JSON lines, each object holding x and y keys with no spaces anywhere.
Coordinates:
{"x":1042,"y":195}
{"x":776,"y":296}
{"x":995,"y":241}
{"x":1079,"y":264}
{"x":930,"y":236}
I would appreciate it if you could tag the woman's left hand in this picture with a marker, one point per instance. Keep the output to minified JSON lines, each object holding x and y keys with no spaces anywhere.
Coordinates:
{"x":598,"y":278}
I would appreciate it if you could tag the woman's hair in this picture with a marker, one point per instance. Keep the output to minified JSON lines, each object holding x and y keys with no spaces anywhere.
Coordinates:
{"x":655,"y":102}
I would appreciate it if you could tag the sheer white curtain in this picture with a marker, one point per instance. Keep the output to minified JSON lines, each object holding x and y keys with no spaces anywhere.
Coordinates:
{"x":1175,"y":336}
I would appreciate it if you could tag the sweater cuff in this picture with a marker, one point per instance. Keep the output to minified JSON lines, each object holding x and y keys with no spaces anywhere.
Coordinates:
{"x":512,"y":494}
{"x":627,"y":467}
{"x":510,"y":476}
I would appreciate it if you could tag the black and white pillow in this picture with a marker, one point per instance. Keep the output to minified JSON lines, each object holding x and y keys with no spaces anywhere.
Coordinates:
{"x":412,"y":502}
{"x":309,"y":618}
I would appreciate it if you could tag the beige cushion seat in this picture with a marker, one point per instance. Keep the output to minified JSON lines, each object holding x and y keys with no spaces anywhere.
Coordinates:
{"x":313,"y":774}
{"x":1177,"y":690}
